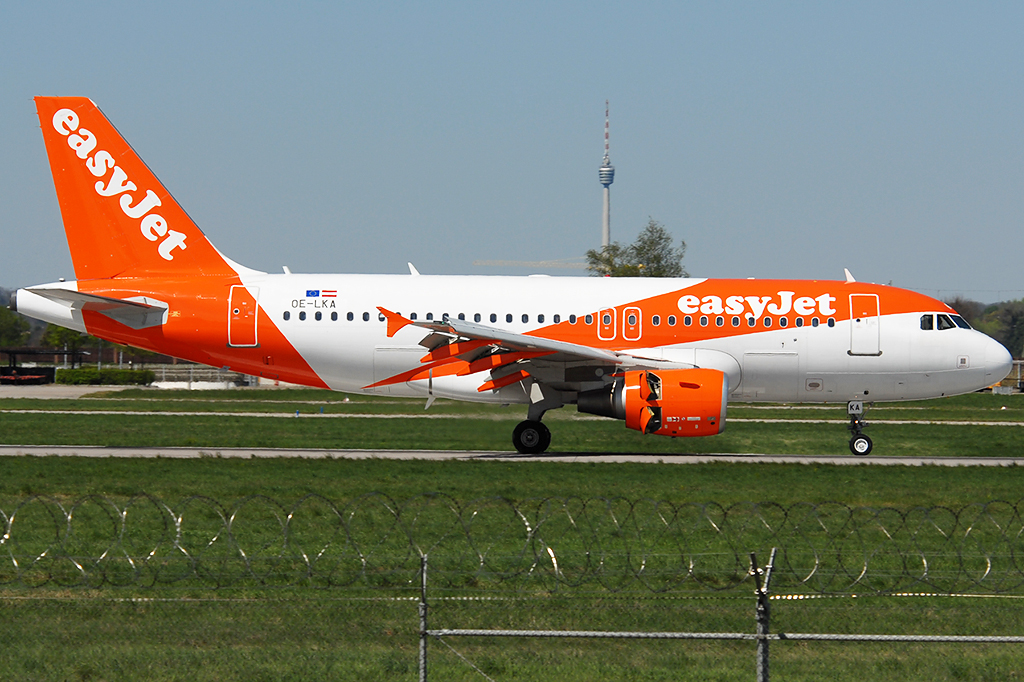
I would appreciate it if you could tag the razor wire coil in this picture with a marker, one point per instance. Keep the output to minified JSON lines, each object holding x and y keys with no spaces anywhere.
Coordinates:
{"x":608,"y":544}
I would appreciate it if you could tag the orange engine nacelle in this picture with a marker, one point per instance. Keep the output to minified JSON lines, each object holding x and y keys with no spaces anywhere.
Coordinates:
{"x":672,"y":402}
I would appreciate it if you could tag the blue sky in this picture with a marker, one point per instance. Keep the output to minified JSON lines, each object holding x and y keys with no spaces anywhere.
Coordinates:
{"x":779,"y":140}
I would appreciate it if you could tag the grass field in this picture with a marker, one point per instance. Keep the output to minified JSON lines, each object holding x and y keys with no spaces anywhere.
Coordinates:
{"x":266,"y":418}
{"x":174,"y":632}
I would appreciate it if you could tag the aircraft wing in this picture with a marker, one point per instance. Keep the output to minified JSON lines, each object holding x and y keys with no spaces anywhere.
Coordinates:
{"x":139,"y":313}
{"x":509,"y":356}
{"x":512,"y":341}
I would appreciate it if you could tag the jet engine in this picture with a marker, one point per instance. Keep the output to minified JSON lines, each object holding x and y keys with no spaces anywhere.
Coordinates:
{"x":671,"y":402}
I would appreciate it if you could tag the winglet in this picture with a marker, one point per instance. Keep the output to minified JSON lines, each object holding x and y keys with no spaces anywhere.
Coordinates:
{"x":395,"y":321}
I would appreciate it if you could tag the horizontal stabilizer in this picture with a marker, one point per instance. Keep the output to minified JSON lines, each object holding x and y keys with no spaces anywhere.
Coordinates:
{"x":137,"y":312}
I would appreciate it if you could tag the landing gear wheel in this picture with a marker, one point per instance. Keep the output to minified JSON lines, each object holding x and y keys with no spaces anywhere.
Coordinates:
{"x":860,"y":445}
{"x":531,"y":438}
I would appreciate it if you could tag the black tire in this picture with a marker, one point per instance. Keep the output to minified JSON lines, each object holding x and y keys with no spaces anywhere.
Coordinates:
{"x":860,"y":445}
{"x":531,"y":438}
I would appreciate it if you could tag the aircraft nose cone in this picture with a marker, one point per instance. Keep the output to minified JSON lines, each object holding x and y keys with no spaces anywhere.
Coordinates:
{"x":998,"y":361}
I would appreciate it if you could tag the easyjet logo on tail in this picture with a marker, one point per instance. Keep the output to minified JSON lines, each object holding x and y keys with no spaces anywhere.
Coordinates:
{"x":152,"y":225}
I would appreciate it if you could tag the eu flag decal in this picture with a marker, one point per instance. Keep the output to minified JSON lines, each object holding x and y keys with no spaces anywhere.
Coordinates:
{"x":312,"y":293}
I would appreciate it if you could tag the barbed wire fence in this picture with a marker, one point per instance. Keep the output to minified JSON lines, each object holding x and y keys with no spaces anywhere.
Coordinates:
{"x":608,"y":544}
{"x":494,"y":546}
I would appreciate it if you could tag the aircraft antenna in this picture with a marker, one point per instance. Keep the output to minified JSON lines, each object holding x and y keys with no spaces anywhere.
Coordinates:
{"x":607,"y":175}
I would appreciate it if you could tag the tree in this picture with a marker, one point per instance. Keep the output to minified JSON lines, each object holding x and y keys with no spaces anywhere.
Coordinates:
{"x":1011,"y":326}
{"x":13,"y":328}
{"x":1004,"y":322}
{"x":614,"y":260}
{"x":968,"y":309}
{"x":651,"y":255}
{"x":62,"y":338}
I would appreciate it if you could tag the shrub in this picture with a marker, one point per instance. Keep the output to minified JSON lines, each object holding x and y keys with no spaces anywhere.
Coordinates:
{"x":90,"y":376}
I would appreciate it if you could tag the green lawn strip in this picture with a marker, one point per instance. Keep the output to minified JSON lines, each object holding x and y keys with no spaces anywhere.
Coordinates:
{"x":324,"y":636}
{"x":568,"y":435}
{"x":199,"y":404}
{"x":287,"y":481}
{"x":973,"y":407}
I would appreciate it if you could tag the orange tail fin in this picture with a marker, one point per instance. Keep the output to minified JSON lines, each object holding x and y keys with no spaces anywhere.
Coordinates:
{"x":118,"y":218}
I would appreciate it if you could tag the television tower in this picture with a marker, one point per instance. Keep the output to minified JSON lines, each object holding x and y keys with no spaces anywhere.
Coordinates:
{"x":607,"y":176}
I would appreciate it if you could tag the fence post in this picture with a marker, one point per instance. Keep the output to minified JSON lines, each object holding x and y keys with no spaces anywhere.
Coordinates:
{"x":423,"y":618}
{"x":763,"y":613}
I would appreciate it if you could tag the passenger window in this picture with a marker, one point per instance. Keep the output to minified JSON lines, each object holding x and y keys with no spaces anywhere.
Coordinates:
{"x":589,"y":319}
{"x":783,"y":321}
{"x":799,"y":321}
{"x":287,"y":316}
{"x":631,"y":319}
{"x":430,"y":316}
{"x":319,"y":316}
{"x":735,"y":321}
{"x":719,"y":321}
{"x":767,"y":322}
{"x":751,"y":322}
{"x":494,"y":317}
{"x":943,"y":322}
{"x":606,"y":319}
{"x":334,"y":317}
{"x":351,"y":317}
{"x":687,"y":320}
{"x":462,"y":316}
{"x":366,"y":317}
{"x":540,"y":318}
{"x":476,"y":317}
{"x":572,"y":319}
{"x":526,"y":318}
{"x":814,"y":322}
{"x":703,"y":320}
{"x":557,"y":319}
{"x":656,"y":320}
{"x":381,"y":318}
{"x":960,"y":322}
{"x":412,"y":316}
{"x":831,"y":321}
{"x":671,"y":320}
{"x":508,"y":317}
{"x":302,"y":315}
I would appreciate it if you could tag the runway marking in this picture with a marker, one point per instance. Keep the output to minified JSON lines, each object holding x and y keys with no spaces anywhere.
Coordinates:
{"x":496,"y":456}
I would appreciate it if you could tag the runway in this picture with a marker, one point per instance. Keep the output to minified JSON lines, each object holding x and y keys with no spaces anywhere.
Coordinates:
{"x":496,"y":456}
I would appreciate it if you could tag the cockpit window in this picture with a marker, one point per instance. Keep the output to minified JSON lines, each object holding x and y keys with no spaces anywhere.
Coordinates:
{"x":960,"y":322}
{"x":944,"y":322}
{"x":927,"y":322}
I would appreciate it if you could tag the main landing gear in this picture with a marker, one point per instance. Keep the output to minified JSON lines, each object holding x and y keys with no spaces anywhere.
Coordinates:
{"x":860,"y":444}
{"x":531,"y":437}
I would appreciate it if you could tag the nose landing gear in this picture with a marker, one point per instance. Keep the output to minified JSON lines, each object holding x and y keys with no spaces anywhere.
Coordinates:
{"x":860,"y":444}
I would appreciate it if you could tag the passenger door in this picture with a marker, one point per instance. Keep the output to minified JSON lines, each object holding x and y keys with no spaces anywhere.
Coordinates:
{"x":864,"y":327}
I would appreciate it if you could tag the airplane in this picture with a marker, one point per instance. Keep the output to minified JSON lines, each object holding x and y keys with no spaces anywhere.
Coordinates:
{"x":663,"y":355}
